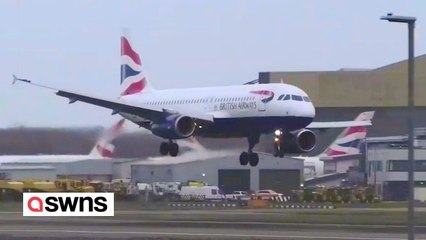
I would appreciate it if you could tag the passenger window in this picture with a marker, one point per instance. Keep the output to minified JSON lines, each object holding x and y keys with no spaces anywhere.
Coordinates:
{"x":214,"y":191}
{"x":296,"y":98}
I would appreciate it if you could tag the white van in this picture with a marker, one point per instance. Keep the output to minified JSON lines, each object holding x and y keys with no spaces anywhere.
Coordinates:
{"x":189,"y":193}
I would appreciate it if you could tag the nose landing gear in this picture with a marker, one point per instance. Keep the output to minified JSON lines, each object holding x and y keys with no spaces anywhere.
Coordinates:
{"x":278,"y":151}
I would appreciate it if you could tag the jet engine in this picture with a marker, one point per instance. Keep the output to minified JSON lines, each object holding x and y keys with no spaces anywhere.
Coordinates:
{"x":302,"y":141}
{"x":174,"y":127}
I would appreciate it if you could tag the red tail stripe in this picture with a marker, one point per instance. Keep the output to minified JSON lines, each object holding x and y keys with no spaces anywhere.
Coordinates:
{"x":104,"y":152}
{"x":127,"y":50}
{"x":332,"y":152}
{"x":355,"y":130}
{"x":134,"y":87}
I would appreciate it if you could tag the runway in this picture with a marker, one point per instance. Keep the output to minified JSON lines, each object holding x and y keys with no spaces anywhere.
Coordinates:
{"x":191,"y":224}
{"x":142,"y":232}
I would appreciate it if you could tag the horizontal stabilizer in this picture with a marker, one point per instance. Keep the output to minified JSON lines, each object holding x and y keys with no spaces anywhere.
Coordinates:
{"x":341,"y":124}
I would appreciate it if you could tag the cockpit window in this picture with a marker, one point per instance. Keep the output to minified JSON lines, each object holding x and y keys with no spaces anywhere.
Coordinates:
{"x":287,"y":97}
{"x":306,"y":99}
{"x":296,"y":98}
{"x":281,"y":97}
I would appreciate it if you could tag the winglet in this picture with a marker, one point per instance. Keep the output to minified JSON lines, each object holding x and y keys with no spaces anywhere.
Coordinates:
{"x":15,"y":79}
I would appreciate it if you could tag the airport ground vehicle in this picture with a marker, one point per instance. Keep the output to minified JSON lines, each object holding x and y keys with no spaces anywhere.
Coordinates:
{"x":70,"y":185}
{"x":238,"y":195}
{"x":39,"y":186}
{"x":165,"y":191}
{"x":189,"y":193}
{"x":10,"y":190}
{"x":267,"y":194}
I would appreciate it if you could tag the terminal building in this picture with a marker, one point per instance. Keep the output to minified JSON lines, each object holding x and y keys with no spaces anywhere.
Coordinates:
{"x":388,"y":166}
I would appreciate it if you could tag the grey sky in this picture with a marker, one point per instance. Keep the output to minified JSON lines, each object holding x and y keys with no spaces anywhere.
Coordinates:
{"x":75,"y":45}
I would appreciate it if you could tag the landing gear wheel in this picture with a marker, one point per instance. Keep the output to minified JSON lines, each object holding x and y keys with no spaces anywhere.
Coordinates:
{"x":244,"y":158}
{"x":173,"y":149}
{"x":254,"y":159}
{"x":164,"y":148}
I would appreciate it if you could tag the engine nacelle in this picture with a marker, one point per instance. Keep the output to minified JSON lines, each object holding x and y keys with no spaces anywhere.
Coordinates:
{"x":302,"y":141}
{"x":174,"y":127}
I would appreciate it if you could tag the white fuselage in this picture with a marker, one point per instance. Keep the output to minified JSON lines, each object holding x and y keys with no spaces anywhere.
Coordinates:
{"x":261,"y":103}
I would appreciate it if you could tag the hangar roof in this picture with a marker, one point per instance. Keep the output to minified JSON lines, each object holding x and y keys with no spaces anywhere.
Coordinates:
{"x":25,"y":167}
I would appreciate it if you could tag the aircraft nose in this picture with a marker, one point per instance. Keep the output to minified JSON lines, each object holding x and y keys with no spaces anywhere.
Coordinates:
{"x":307,"y":110}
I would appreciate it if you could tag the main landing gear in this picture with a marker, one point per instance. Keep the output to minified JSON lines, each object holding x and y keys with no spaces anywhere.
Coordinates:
{"x":250,"y":156}
{"x":169,"y":148}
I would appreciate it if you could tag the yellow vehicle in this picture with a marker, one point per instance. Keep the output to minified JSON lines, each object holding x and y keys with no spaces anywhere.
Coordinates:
{"x":11,"y":190}
{"x":69,"y":185}
{"x":39,"y":186}
{"x":81,"y":186}
{"x":193,"y":183}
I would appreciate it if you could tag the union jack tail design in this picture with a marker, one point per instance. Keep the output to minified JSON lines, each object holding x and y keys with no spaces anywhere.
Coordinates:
{"x":350,"y":140}
{"x":105,"y":150}
{"x":103,"y":147}
{"x":132,"y":78}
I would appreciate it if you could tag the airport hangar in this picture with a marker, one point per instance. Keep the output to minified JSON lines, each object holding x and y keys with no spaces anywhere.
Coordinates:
{"x":218,"y":168}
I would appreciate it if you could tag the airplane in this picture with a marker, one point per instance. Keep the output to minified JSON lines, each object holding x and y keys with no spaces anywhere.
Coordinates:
{"x":348,"y":143}
{"x":245,"y":111}
{"x":102,"y":149}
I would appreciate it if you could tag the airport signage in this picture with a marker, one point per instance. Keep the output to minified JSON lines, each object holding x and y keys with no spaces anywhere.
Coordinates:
{"x":68,"y":204}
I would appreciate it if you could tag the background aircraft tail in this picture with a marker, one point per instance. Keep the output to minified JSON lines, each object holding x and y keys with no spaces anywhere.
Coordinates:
{"x":349,"y":141}
{"x":132,"y":78}
{"x":103,"y":147}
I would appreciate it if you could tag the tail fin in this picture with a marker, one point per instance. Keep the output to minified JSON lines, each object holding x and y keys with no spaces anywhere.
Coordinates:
{"x":103,"y":147}
{"x":349,"y":141}
{"x":132,"y":78}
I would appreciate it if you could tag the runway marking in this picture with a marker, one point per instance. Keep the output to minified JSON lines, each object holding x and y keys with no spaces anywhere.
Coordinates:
{"x":204,"y":234}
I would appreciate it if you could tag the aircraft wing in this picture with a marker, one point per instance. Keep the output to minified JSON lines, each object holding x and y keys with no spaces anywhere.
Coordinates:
{"x":117,"y":106}
{"x":339,"y":124}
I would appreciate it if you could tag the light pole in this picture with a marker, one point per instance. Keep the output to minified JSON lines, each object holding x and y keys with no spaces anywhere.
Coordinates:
{"x":411,"y":24}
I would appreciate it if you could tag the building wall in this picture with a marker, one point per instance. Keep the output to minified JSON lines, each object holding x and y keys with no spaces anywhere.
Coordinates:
{"x":122,"y":170}
{"x":85,"y":167}
{"x":208,"y":170}
{"x":392,"y":184}
{"x":28,"y":174}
